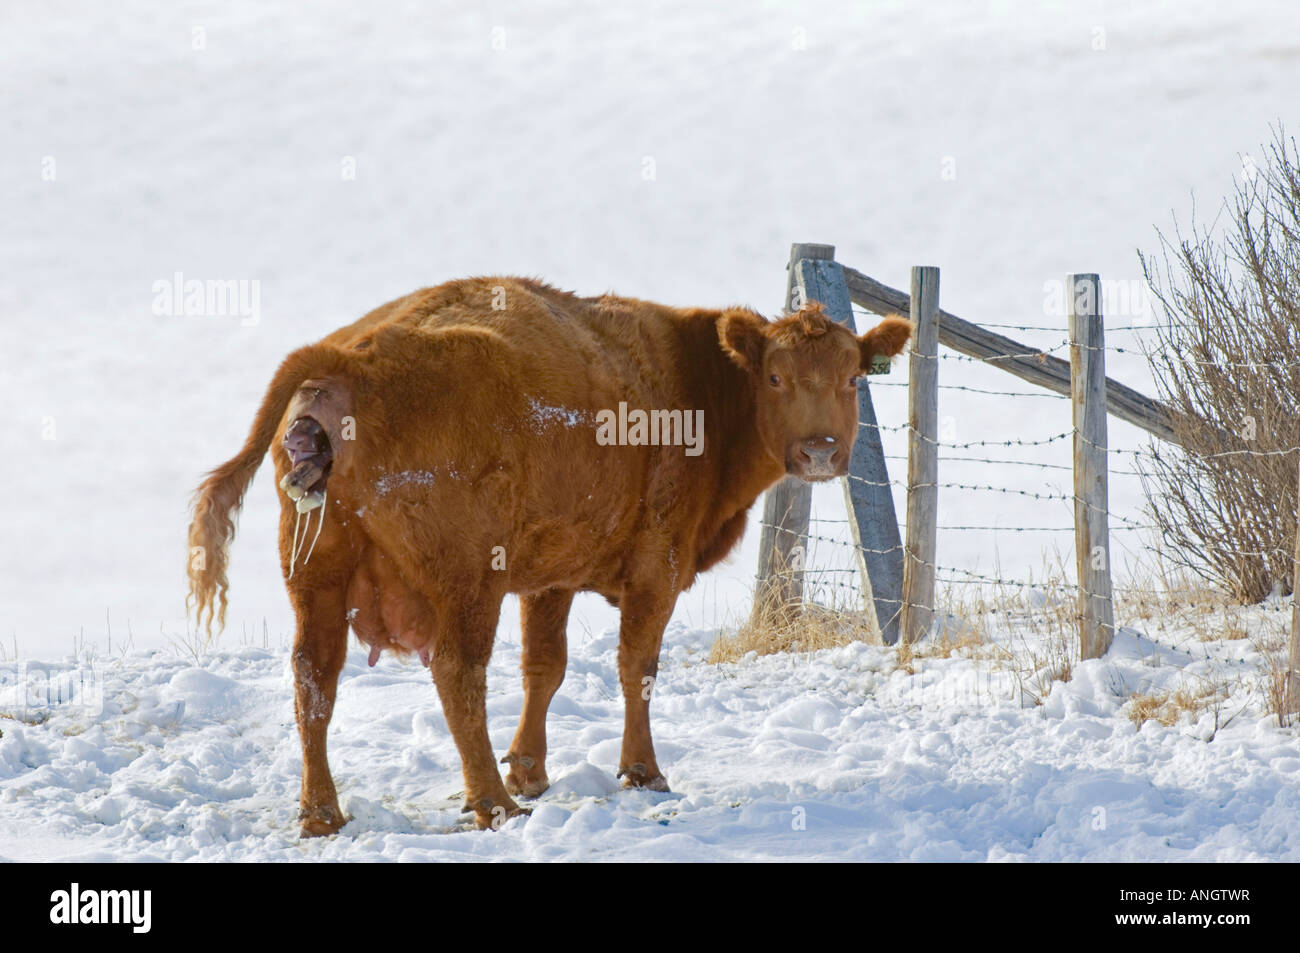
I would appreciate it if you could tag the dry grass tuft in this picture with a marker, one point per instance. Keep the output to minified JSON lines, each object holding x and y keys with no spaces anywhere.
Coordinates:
{"x":1168,"y":707}
{"x":1050,"y":612}
{"x":804,"y":628}
{"x":1143,"y":708}
{"x":947,"y":643}
{"x":1272,"y":678}
{"x":960,"y":628}
{"x":907,"y":656}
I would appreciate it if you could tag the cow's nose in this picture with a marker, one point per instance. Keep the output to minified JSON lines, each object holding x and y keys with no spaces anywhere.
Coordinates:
{"x":818,"y":452}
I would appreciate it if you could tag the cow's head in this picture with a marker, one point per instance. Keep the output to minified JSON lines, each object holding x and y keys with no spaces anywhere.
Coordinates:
{"x":805,"y":370}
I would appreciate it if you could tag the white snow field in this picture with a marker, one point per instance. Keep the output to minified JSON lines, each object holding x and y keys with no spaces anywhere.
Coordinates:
{"x":335,"y":155}
{"x":834,"y":755}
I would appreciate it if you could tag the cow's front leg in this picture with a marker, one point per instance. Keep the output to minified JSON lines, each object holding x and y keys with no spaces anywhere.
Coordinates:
{"x":459,"y":665}
{"x":319,"y":648}
{"x":545,"y":616}
{"x":644,"y":615}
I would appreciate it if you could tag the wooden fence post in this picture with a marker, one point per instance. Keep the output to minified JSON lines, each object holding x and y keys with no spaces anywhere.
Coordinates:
{"x":1292,"y":698}
{"x":868,"y":498}
{"x":922,"y":456}
{"x":782,"y":546}
{"x":1091,"y":520}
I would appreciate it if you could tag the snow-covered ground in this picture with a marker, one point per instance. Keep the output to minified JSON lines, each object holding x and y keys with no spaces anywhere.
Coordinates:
{"x":339,"y":155}
{"x":840,"y":754}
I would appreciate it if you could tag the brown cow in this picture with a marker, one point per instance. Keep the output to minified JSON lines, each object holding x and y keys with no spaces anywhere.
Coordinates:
{"x":496,"y":435}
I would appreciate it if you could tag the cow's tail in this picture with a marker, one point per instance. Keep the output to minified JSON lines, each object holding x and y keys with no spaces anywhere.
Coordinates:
{"x":220,"y":495}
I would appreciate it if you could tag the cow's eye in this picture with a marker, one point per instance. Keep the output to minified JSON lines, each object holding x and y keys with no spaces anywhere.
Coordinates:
{"x":775,"y":380}
{"x":853,"y":381}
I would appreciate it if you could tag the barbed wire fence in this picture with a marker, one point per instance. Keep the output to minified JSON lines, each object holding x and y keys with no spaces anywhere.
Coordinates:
{"x":832,"y":563}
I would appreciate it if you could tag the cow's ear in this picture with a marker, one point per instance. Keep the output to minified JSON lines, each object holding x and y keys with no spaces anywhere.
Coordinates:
{"x":886,"y":339}
{"x":743,"y":335}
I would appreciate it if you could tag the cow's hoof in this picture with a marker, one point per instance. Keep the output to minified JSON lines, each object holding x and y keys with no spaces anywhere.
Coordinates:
{"x":498,"y":818}
{"x":525,"y":778}
{"x":525,"y":786}
{"x":490,"y":815}
{"x":321,"y":821}
{"x":636,"y":776}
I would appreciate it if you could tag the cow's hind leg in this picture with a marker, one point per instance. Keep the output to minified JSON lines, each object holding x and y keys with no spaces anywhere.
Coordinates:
{"x":644,"y":615}
{"x":459,"y":665}
{"x":545,"y":616}
{"x":318,"y":652}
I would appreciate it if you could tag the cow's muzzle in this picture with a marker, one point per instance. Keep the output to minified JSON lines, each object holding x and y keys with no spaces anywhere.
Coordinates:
{"x":817,"y":459}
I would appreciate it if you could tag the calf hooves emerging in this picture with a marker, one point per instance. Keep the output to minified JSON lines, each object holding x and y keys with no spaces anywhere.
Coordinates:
{"x":303,"y":479}
{"x":310,"y":460}
{"x":636,"y":776}
{"x":321,"y":821}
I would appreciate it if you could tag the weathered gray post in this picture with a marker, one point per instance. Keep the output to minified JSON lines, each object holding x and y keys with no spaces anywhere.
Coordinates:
{"x":1091,"y":520}
{"x":786,"y":507}
{"x":867,"y":497}
{"x":922,"y":456}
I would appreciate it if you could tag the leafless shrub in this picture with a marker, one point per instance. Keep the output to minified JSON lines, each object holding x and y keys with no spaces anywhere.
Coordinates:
{"x":1226,"y":358}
